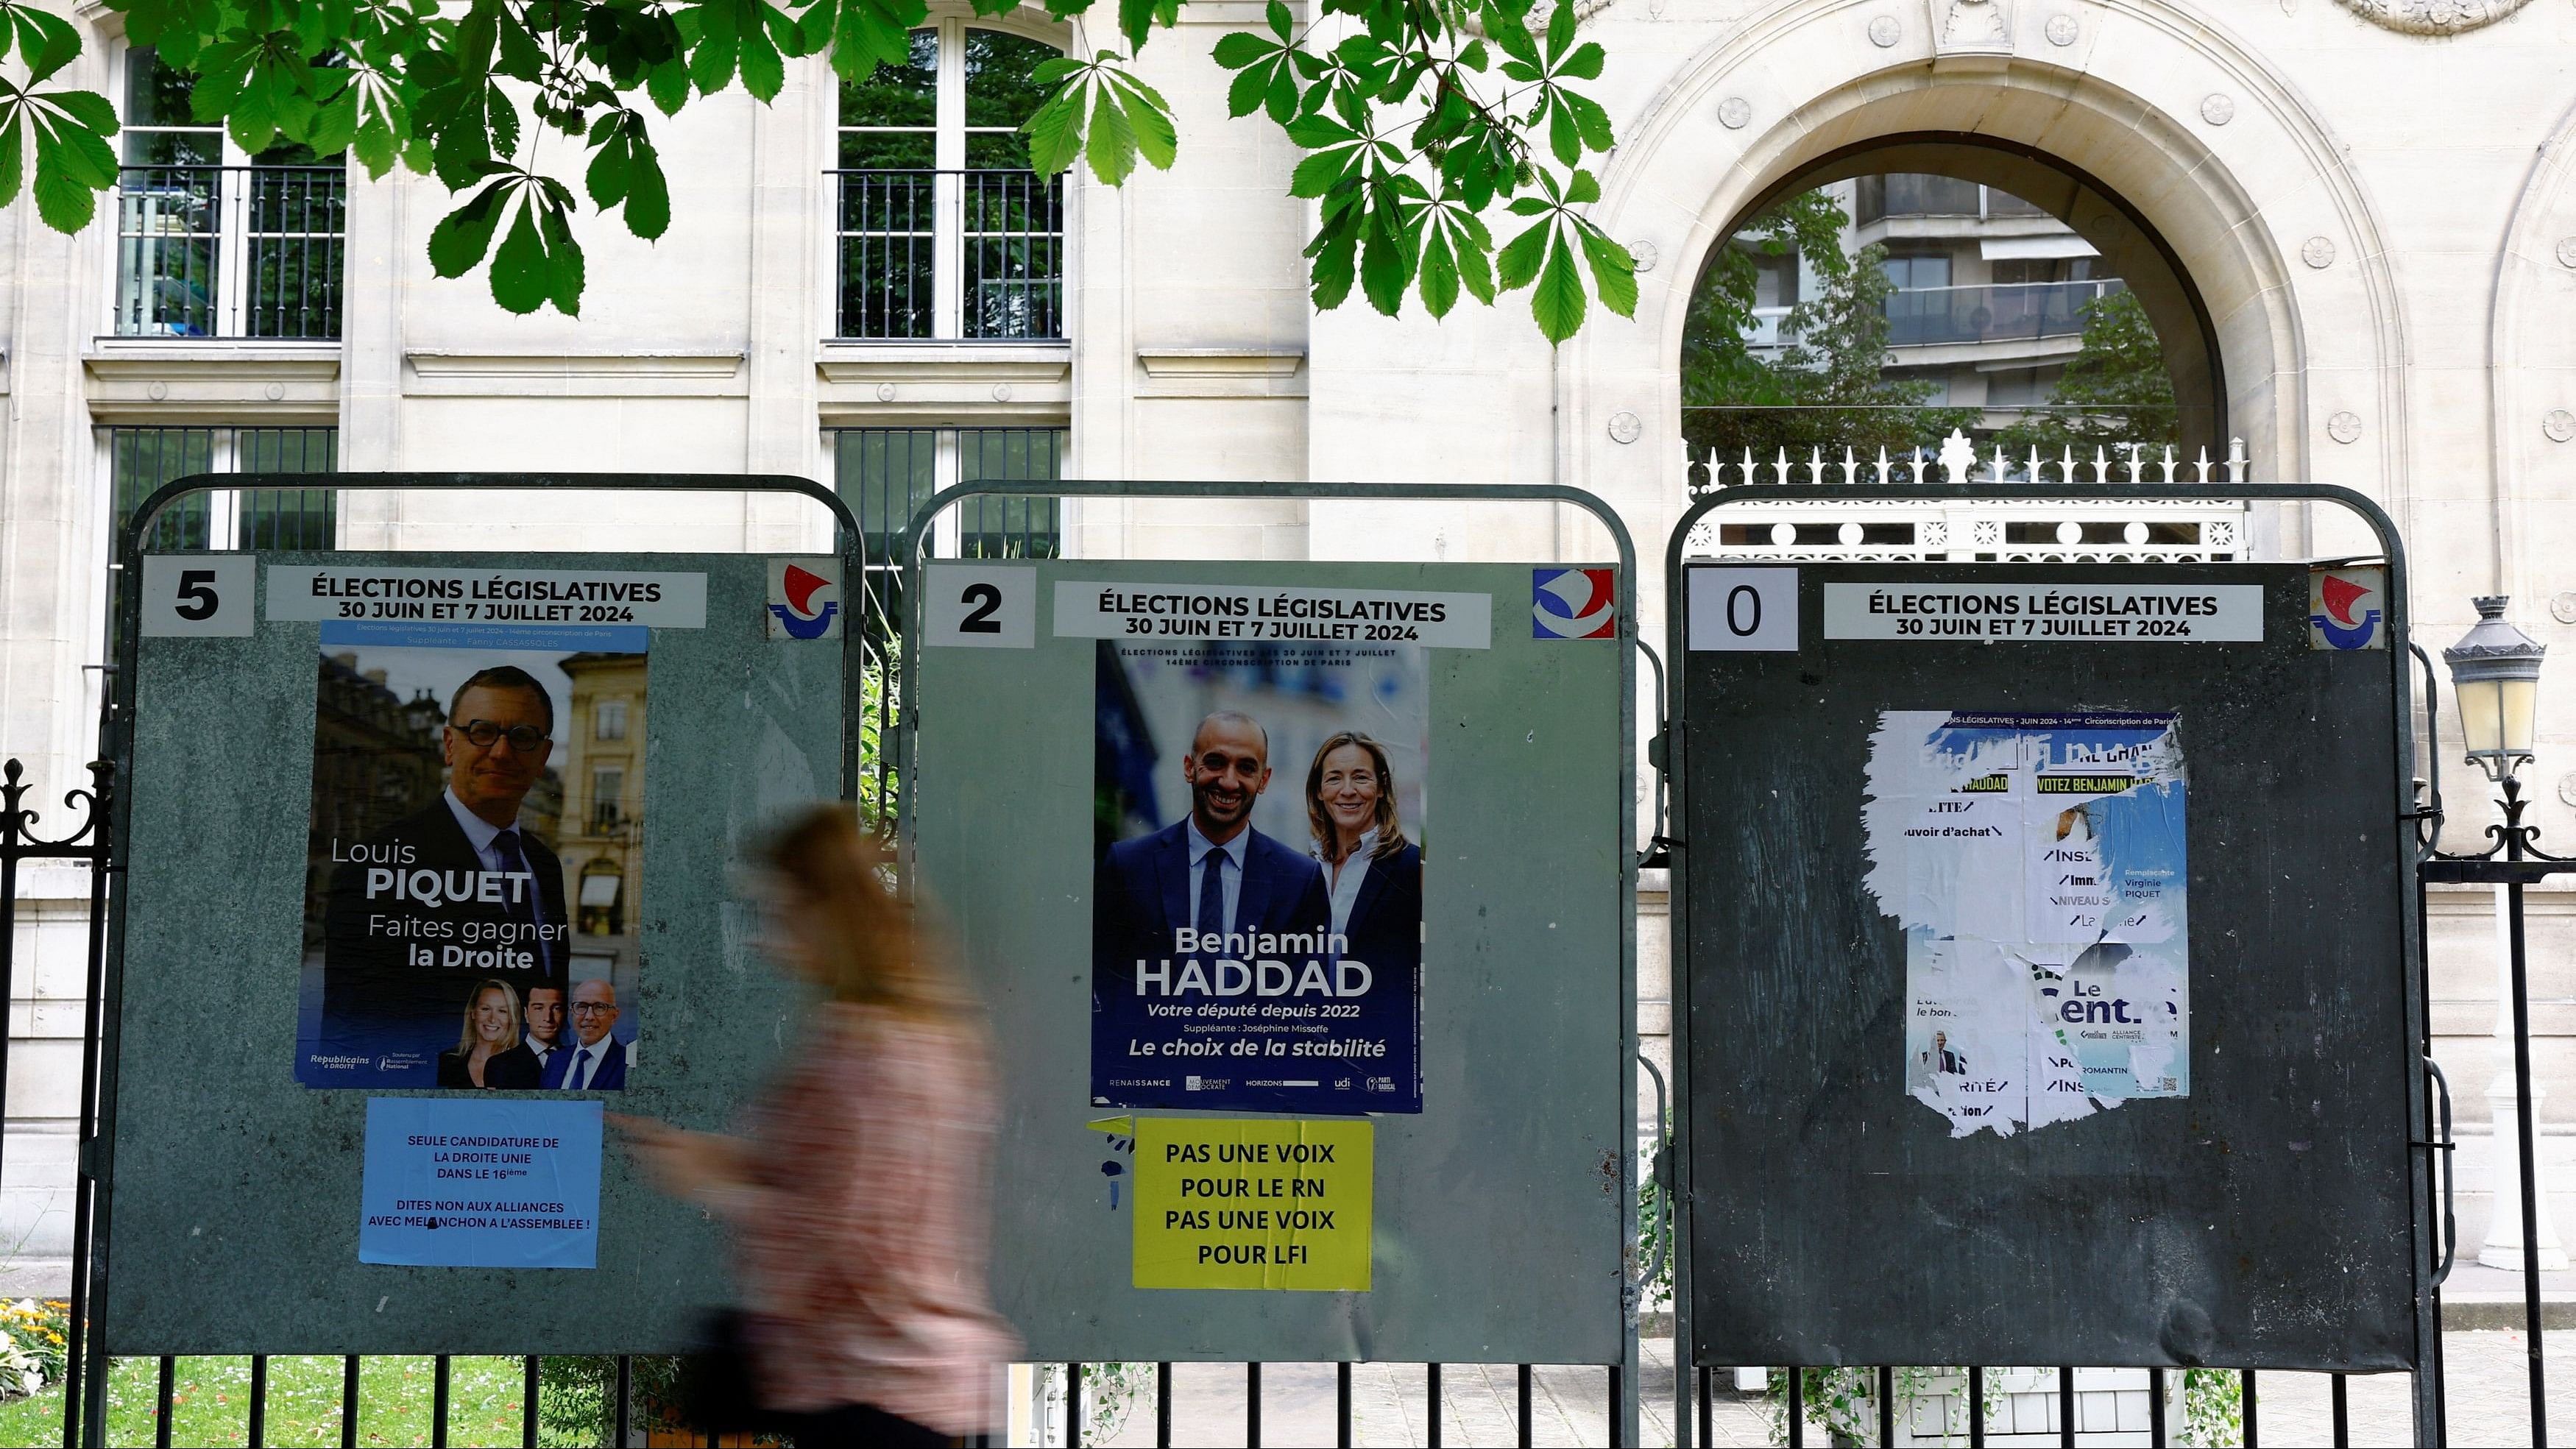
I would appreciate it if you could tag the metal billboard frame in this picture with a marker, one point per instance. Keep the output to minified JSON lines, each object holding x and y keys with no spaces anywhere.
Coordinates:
{"x":1625,"y":1427}
{"x":95,"y":1187}
{"x":2421,"y":1147}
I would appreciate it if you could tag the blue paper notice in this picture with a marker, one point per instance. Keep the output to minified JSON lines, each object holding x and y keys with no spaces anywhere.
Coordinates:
{"x":508,"y":1184}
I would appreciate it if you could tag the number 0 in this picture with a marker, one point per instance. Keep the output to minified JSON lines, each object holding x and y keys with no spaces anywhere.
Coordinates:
{"x":985,"y":598}
{"x":1743,"y":591}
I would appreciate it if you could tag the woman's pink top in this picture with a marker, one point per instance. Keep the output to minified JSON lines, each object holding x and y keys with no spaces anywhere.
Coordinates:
{"x":862,"y":1248}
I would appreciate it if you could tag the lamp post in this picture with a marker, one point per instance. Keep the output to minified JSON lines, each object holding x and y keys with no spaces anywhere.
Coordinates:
{"x":2495,"y":672}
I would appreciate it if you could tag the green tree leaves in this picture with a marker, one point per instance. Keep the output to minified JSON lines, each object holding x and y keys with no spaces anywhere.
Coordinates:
{"x":1102,"y":114}
{"x":1418,"y":120}
{"x":538,"y":261}
{"x":68,"y":129}
{"x":1410,"y":143}
{"x":1824,"y":377}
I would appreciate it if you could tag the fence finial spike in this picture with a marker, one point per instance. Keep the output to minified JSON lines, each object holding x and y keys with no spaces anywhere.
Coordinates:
{"x":1850,"y":464}
{"x":1780,"y":465}
{"x":2101,"y":465}
{"x":2204,"y":465}
{"x":1816,"y":466}
{"x":1751,"y":476}
{"x":2169,"y":464}
{"x":1882,"y":465}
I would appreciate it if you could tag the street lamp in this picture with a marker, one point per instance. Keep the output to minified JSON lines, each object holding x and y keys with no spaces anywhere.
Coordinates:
{"x":2495,"y":671}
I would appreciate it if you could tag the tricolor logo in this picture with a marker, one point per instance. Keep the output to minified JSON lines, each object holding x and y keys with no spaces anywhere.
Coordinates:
{"x":1574,"y":604}
{"x":805,"y":598}
{"x":2345,"y":607}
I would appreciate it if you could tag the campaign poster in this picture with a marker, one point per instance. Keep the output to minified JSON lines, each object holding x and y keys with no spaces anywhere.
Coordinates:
{"x":498,"y":1183}
{"x":2038,"y":865}
{"x":1259,"y":815}
{"x":470,"y":904}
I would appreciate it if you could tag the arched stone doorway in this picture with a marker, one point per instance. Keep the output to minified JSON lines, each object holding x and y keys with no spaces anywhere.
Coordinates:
{"x":2152,"y":133}
{"x":2131,"y":249}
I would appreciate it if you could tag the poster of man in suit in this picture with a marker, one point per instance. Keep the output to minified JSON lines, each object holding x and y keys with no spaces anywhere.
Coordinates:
{"x":1256,"y":910}
{"x":475,"y":844}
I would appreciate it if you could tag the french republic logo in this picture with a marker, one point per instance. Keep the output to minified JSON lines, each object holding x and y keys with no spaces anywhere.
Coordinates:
{"x":805,"y":598}
{"x":1574,"y":604}
{"x":2346,"y":608}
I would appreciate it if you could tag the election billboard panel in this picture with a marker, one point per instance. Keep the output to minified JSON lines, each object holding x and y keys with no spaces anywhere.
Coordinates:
{"x":1257,"y":906}
{"x":331,"y":758}
{"x":2042,"y":924}
{"x":1298,"y":892}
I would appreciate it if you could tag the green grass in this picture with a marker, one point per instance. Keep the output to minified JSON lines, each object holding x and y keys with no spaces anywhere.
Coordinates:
{"x":210,"y":1403}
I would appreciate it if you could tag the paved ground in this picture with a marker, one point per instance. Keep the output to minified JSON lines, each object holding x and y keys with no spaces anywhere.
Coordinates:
{"x":2488,"y":1402}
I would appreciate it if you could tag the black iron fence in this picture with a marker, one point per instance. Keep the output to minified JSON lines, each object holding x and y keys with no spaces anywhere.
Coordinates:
{"x":950,"y":254}
{"x":230,"y":251}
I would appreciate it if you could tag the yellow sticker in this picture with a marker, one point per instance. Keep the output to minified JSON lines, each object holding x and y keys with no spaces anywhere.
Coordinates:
{"x":1240,"y":1203}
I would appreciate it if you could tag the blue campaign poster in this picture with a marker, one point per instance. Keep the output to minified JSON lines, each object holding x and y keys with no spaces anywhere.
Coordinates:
{"x":468,"y":1184}
{"x":1256,"y":917}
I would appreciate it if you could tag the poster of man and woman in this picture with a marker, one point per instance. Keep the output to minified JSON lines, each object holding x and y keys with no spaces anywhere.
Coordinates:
{"x":468,"y":912}
{"x":1258,"y":814}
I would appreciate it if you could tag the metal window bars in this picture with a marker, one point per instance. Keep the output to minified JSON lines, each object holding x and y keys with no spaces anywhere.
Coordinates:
{"x":141,"y":459}
{"x":223,"y":252}
{"x":949,"y":255}
{"x":887,"y":473}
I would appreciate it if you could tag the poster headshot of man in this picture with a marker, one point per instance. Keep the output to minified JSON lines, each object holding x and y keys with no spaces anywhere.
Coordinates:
{"x":595,"y":1061}
{"x":545,"y":1019}
{"x":458,"y":882}
{"x":1210,"y":871}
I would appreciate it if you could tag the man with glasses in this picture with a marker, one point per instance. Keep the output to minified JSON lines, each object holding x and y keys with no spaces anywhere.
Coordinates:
{"x":597,"y":1062}
{"x":450,"y":895}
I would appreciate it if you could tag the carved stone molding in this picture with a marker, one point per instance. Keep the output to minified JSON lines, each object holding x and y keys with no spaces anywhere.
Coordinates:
{"x":2432,"y":17}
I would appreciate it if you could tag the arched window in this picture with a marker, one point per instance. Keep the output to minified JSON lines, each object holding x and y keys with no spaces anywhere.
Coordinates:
{"x":944,"y":230}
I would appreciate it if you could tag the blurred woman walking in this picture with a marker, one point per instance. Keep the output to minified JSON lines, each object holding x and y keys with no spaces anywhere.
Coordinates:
{"x":858,"y":1197}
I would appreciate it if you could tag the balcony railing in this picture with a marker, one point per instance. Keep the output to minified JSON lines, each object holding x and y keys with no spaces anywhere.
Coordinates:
{"x":230,"y":251}
{"x":950,"y":255}
{"x":1933,"y":316}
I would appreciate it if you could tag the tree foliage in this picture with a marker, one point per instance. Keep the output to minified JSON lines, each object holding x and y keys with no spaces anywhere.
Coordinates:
{"x":1827,"y":386}
{"x":2114,"y":393}
{"x":1425,"y":125}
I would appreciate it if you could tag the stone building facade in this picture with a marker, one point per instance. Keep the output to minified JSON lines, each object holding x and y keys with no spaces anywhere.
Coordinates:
{"x":2352,"y":221}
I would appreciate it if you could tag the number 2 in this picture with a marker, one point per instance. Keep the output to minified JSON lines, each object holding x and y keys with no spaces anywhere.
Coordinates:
{"x":196,"y":603}
{"x":984,"y":597}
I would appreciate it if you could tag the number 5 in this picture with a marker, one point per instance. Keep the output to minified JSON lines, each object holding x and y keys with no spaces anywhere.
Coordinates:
{"x":197,"y":601}
{"x":199,"y":596}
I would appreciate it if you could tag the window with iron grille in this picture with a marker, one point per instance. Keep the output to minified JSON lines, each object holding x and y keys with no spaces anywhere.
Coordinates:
{"x":140,"y":460}
{"x":944,"y":231}
{"x":888,"y":473}
{"x":212,"y":242}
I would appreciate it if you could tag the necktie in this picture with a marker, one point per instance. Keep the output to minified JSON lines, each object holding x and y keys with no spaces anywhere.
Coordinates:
{"x":579,"y":1076}
{"x":524,"y":907}
{"x":1212,"y":894}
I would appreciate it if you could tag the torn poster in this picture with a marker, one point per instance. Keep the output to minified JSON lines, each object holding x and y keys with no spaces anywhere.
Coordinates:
{"x":2036,"y":863}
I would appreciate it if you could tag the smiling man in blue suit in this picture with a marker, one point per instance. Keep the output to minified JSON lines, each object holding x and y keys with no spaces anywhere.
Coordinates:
{"x":1210,"y":871}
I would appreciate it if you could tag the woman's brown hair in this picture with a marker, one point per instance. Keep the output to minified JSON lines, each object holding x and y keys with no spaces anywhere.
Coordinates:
{"x":876,"y":954}
{"x":1390,"y":829}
